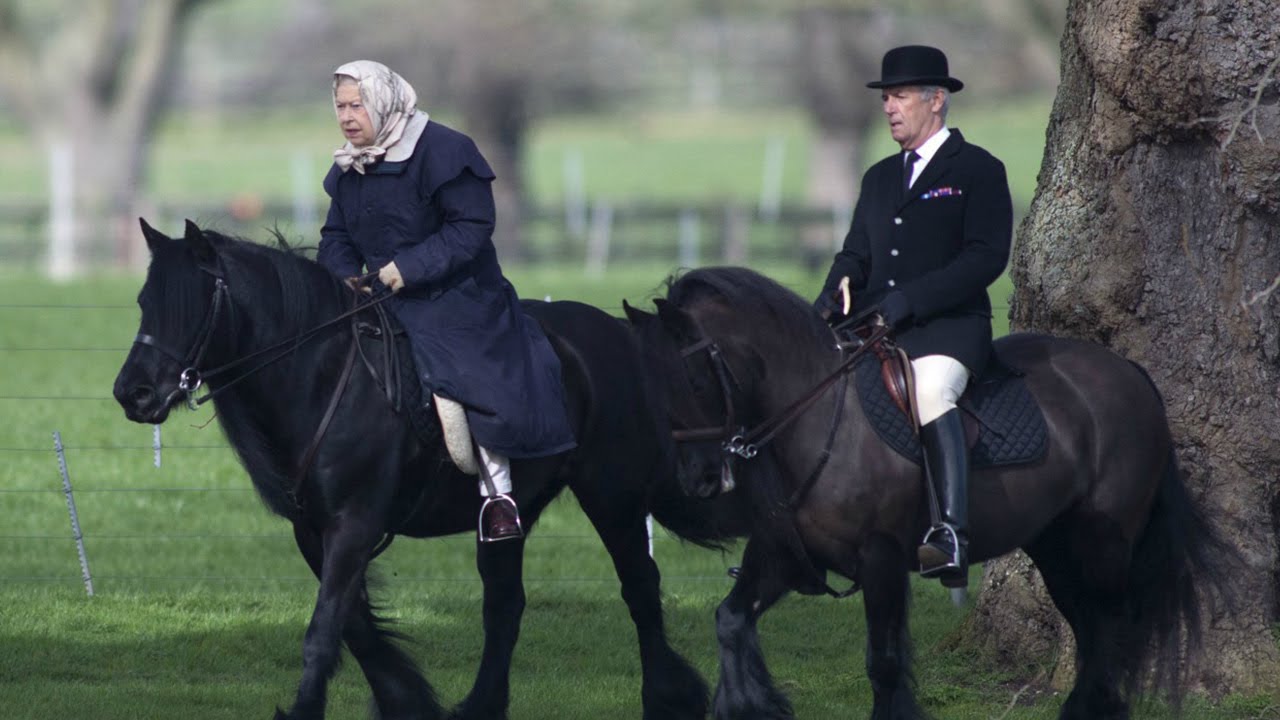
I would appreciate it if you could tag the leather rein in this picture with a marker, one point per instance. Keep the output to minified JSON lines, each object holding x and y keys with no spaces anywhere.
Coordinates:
{"x":746,"y":442}
{"x":191,"y":378}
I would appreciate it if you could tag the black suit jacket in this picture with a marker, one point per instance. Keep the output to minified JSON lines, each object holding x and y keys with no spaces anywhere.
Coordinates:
{"x":941,"y":243}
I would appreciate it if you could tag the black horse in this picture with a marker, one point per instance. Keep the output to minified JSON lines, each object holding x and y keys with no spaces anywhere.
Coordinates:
{"x":349,"y":472}
{"x":1105,"y":515}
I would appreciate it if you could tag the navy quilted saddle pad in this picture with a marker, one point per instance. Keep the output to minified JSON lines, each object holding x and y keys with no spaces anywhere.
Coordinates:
{"x":1011,"y":428}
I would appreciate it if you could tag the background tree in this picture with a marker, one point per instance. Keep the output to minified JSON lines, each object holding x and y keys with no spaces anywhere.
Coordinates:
{"x":90,"y":76}
{"x":1156,"y":230}
{"x":838,"y":50}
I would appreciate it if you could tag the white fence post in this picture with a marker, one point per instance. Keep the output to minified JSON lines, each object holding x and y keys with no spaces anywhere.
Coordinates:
{"x":304,"y":194}
{"x":841,"y":217}
{"x":775,"y":154}
{"x":575,"y":194}
{"x":689,"y":238}
{"x":62,"y":224}
{"x":599,"y":238}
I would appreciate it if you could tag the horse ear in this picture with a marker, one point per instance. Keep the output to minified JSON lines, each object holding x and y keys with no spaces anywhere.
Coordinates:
{"x":637,"y":316}
{"x":154,"y":237}
{"x":198,"y":242}
{"x":678,"y":322}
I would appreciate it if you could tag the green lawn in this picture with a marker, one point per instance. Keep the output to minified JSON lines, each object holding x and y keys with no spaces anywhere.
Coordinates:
{"x":201,"y":600}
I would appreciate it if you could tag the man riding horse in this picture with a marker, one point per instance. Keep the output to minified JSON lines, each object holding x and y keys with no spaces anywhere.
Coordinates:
{"x":931,"y":231}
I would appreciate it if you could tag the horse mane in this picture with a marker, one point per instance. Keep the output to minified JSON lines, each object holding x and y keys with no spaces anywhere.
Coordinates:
{"x":780,"y":317}
{"x":300,"y":291}
{"x":300,"y":279}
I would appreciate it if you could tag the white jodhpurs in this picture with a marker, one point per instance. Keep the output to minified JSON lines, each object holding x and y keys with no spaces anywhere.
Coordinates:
{"x":496,"y":468}
{"x":940,"y":381}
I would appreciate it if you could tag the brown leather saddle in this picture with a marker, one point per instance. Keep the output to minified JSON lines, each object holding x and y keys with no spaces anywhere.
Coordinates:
{"x":1002,"y":420}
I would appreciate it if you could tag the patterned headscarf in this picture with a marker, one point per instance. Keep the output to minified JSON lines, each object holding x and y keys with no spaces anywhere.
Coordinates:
{"x":390,"y":103}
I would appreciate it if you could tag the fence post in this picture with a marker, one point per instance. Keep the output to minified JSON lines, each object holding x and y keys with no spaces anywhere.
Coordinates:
{"x":304,"y":197}
{"x":575,"y":202}
{"x":688,"y":238}
{"x":62,"y":221}
{"x":736,"y":229}
{"x":648,"y":528}
{"x":775,"y":154}
{"x":155,"y":442}
{"x":841,"y":217}
{"x":71,"y":510}
{"x":599,"y":238}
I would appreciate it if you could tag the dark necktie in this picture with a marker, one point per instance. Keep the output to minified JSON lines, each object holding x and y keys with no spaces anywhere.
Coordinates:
{"x":908,"y":167}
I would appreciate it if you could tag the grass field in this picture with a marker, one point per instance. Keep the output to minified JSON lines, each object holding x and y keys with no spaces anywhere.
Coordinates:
{"x":201,"y":599}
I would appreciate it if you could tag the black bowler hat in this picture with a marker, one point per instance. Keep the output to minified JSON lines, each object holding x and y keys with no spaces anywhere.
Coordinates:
{"x":915,"y":65}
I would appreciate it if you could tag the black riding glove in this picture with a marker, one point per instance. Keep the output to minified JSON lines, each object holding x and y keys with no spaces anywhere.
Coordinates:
{"x":895,"y":308}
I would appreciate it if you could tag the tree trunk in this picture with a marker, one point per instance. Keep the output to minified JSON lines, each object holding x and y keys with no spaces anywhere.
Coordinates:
{"x":1155,"y":230}
{"x":97,"y":87}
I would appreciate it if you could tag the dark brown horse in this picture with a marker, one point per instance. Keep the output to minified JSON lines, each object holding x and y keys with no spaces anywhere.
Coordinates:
{"x":1104,"y":515}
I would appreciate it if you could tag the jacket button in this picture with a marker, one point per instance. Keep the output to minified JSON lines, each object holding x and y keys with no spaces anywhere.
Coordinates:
{"x":892,"y":283}
{"x":897,"y":221}
{"x":894,"y":252}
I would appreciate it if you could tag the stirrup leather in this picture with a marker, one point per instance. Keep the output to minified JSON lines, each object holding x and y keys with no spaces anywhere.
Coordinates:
{"x":480,"y":528}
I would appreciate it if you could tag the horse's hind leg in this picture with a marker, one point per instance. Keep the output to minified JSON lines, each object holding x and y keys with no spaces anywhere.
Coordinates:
{"x":399,"y":690}
{"x":670,"y":687}
{"x":883,"y":576}
{"x":501,"y":566}
{"x":746,"y":690}
{"x":1092,"y":603}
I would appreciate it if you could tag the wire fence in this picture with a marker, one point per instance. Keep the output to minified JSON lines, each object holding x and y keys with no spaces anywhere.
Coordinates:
{"x":102,"y":487}
{"x":77,"y":460}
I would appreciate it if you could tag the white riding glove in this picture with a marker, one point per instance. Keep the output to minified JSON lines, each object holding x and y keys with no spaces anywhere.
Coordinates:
{"x":390,"y":276}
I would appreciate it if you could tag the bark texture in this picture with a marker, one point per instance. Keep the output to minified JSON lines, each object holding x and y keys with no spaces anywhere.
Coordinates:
{"x":1156,"y":230}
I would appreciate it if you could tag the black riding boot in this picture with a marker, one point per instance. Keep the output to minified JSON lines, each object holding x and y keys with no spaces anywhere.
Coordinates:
{"x":944,"y":553}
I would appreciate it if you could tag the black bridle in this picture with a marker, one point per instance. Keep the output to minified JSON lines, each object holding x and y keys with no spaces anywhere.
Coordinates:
{"x":738,"y":440}
{"x":191,"y":377}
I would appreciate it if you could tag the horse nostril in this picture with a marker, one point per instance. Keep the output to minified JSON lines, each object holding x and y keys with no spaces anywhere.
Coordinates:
{"x":141,"y":395}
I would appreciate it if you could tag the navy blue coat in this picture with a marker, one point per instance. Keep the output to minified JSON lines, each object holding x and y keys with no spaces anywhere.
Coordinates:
{"x":433,"y":215}
{"x":941,"y":243}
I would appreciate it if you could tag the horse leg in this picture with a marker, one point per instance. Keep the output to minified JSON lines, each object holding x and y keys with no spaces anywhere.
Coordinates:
{"x":399,"y":690}
{"x":347,"y":543}
{"x":1093,"y":606}
{"x":746,"y":690}
{"x":885,"y":588}
{"x":501,"y":566}
{"x":670,"y":687}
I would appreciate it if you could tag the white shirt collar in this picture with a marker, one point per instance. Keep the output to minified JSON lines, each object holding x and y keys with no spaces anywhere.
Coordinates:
{"x":927,"y":150}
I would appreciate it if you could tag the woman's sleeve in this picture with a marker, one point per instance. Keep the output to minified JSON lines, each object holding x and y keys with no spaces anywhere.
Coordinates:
{"x":336,"y":251}
{"x":466,"y":205}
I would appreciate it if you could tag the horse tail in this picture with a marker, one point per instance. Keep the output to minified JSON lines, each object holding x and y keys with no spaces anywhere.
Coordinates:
{"x":1177,"y":558}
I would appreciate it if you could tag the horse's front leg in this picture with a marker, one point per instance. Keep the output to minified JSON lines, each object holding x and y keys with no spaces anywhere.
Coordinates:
{"x":347,"y":541}
{"x":883,"y":576}
{"x":501,"y":566}
{"x":399,"y":690}
{"x":746,"y":690}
